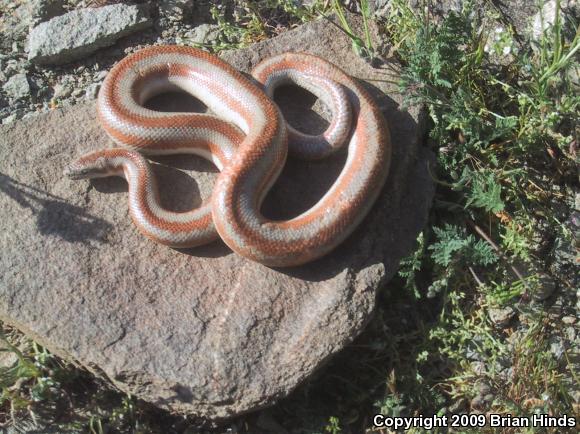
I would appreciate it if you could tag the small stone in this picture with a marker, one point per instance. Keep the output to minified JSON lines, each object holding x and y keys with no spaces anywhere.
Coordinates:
{"x":100,"y":76}
{"x":12,"y":67}
{"x":570,"y":333}
{"x":30,"y":115}
{"x":7,"y":358}
{"x":557,"y":347}
{"x":42,"y":91}
{"x":483,"y":388}
{"x":17,"y":86}
{"x":92,"y":91}
{"x":477,"y":402}
{"x":546,"y":287}
{"x":478,"y":367}
{"x":80,"y":32}
{"x":203,"y":34}
{"x":504,"y":361}
{"x":501,"y":316}
{"x":569,"y":320}
{"x":175,"y":10}
{"x":9,"y":119}
{"x":458,"y":406}
{"x":61,"y":91}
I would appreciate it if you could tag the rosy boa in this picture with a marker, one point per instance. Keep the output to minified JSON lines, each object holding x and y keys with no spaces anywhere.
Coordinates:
{"x":247,"y":138}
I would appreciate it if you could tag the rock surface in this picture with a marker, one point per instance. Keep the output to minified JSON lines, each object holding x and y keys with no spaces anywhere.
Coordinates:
{"x":201,"y":331}
{"x":78,"y":33}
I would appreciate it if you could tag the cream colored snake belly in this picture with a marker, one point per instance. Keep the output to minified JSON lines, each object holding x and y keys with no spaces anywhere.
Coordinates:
{"x":247,"y":138}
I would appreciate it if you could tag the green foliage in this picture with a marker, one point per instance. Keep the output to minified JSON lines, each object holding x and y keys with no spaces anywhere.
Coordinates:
{"x":412,"y":264}
{"x":333,"y":426}
{"x":362,"y":46}
{"x":501,"y":293}
{"x":485,"y":128}
{"x":504,"y":117}
{"x":256,"y":20}
{"x":494,"y":127}
{"x":485,"y":193}
{"x":455,"y":247}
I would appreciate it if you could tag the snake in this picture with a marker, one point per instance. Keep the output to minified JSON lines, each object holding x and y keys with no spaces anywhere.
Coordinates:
{"x":246,"y":136}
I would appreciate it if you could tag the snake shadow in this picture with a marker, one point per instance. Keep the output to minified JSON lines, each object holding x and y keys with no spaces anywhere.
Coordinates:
{"x":54,"y":216}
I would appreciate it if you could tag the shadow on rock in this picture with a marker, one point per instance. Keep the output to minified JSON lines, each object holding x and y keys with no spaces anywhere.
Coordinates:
{"x":215,"y":249}
{"x":54,"y":216}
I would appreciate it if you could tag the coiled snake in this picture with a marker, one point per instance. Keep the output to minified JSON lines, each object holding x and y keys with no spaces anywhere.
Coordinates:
{"x":247,"y":138}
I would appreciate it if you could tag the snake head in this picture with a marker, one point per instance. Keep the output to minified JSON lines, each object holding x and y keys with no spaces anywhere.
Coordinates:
{"x":94,"y":165}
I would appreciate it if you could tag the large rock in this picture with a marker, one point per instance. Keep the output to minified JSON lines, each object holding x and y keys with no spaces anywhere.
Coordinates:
{"x":201,"y":331}
{"x":78,"y":33}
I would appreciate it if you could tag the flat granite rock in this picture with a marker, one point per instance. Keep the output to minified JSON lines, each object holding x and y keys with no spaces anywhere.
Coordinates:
{"x":200,"y":331}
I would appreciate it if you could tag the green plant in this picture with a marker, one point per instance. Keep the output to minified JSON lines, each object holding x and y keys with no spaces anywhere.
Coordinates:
{"x":362,"y":46}
{"x":333,"y":426}
{"x":256,"y":20}
{"x":491,"y":138}
{"x":504,"y":128}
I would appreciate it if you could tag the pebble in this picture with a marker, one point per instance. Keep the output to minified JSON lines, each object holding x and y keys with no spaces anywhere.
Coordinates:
{"x":9,"y":119}
{"x":204,"y":34}
{"x":92,"y":91}
{"x":477,"y":402}
{"x":546,"y":287}
{"x":30,"y":115}
{"x":100,"y":76}
{"x":478,"y":367}
{"x":12,"y":67}
{"x":545,"y":18}
{"x":17,"y":86}
{"x":483,"y":388}
{"x":501,"y":316}
{"x":488,"y":398}
{"x":557,"y":347}
{"x":458,"y":406}
{"x":569,"y":320}
{"x":61,"y":91}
